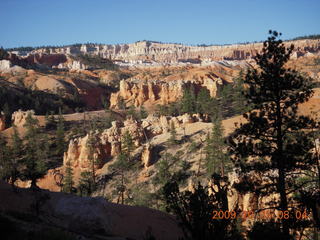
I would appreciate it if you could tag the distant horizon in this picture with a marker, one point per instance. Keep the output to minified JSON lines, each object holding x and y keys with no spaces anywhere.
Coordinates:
{"x":35,"y":23}
{"x":155,"y":41}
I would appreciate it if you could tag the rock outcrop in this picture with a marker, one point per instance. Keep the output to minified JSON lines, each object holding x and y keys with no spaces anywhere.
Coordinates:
{"x":48,"y":60}
{"x":72,"y":65}
{"x":19,"y":117}
{"x":169,"y":53}
{"x":137,"y":93}
{"x":5,"y":65}
{"x":108,"y":143}
{"x":146,"y":156}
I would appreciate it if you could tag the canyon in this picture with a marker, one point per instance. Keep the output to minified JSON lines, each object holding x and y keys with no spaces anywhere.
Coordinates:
{"x":147,"y":74}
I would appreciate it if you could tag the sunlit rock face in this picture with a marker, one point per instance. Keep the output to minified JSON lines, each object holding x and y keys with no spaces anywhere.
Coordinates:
{"x":108,"y":142}
{"x":170,"y":53}
{"x":19,"y":117}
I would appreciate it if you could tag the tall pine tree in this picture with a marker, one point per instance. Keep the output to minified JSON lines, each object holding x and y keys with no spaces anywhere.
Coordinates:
{"x":217,"y":160}
{"x":275,"y":142}
{"x":36,"y":152}
{"x":68,"y":182}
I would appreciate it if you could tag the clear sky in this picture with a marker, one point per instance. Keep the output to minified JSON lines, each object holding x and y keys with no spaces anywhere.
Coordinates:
{"x":60,"y":22}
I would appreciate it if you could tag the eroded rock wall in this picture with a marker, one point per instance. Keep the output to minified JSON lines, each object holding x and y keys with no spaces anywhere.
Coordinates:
{"x":169,"y":53}
{"x":137,"y":93}
{"x":108,"y":143}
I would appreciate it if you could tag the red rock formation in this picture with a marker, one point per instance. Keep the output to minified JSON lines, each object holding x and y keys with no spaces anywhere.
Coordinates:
{"x":46,"y":59}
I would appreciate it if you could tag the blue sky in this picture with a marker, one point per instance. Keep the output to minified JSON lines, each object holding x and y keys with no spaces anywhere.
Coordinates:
{"x":60,"y":22}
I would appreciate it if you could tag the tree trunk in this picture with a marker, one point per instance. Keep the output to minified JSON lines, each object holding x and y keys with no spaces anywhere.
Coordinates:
{"x":281,"y":168}
{"x":34,"y":184}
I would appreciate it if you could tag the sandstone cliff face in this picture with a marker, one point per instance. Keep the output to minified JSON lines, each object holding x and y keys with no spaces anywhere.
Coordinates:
{"x":108,"y":143}
{"x":137,"y":93}
{"x":169,"y":53}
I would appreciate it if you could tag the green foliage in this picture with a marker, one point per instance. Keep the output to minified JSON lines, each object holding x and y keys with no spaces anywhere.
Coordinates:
{"x":13,"y":98}
{"x":229,"y":102}
{"x":171,"y":109}
{"x":193,"y":147}
{"x":5,"y":165}
{"x":217,"y":161}
{"x":123,"y":164}
{"x":95,"y":62}
{"x":163,"y":174}
{"x":86,"y":185}
{"x":173,"y":134}
{"x":195,"y":211}
{"x":313,"y":36}
{"x":232,"y":99}
{"x":127,"y":144}
{"x":131,"y":112}
{"x":142,"y":196}
{"x":15,"y":154}
{"x":275,"y":136}
{"x":143,"y":113}
{"x":183,"y":173}
{"x":68,"y":182}
{"x":205,"y":104}
{"x":36,"y":151}
{"x":188,"y":100}
{"x":50,"y":122}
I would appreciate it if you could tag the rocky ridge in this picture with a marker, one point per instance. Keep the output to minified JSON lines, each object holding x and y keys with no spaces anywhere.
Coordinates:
{"x":173,"y":53}
{"x":139,"y":91}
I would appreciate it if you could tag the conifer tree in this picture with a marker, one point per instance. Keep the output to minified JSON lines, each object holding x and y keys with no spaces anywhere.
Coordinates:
{"x":127,"y":144}
{"x":163,"y":174}
{"x":123,"y":163}
{"x":275,"y":142}
{"x":68,"y":182}
{"x":85,"y":187}
{"x":217,"y":160}
{"x":173,"y":133}
{"x":204,"y":102}
{"x":143,"y":113}
{"x":240,"y":104}
{"x":16,"y":155}
{"x":10,"y":157}
{"x":60,"y":135}
{"x":132,"y":112}
{"x":36,"y":150}
{"x":195,"y":210}
{"x":188,"y":101}
{"x":5,"y":167}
